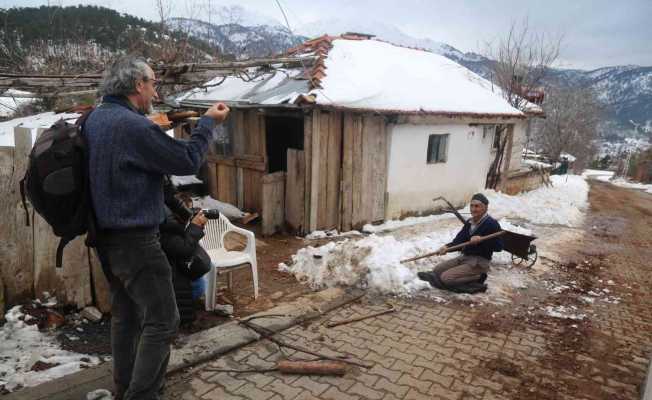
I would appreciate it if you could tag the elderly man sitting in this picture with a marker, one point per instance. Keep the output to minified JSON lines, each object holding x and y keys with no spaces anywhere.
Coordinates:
{"x":467,"y":272}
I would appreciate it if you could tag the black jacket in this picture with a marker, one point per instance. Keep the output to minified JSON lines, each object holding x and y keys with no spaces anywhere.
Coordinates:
{"x":181,"y":244}
{"x":484,"y":249}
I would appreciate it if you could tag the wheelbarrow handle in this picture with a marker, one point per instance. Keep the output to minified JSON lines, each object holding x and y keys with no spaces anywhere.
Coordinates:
{"x":456,"y":247}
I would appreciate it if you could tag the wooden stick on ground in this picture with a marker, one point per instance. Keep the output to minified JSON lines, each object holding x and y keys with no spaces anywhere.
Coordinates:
{"x":336,"y":368}
{"x":356,"y":319}
{"x":268,"y":334}
{"x":456,"y":247}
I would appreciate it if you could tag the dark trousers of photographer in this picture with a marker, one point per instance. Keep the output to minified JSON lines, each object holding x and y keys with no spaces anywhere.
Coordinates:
{"x":144,"y":316}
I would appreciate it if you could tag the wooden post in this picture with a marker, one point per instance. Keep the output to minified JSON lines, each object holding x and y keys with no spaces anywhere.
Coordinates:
{"x":273,"y":208}
{"x":307,"y":158}
{"x":295,"y":190}
{"x":16,"y":238}
{"x":314,"y":172}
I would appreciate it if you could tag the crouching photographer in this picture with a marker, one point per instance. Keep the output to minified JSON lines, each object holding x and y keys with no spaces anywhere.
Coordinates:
{"x":180,"y":243}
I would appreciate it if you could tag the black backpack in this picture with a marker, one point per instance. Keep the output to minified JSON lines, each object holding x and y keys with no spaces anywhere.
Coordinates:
{"x":57,"y":183}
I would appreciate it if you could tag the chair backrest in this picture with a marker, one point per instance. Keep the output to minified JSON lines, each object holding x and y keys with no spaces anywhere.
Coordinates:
{"x":215,"y":230}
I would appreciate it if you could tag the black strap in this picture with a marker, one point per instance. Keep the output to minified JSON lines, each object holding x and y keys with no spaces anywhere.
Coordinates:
{"x":62,"y":243}
{"x":22,"y":195}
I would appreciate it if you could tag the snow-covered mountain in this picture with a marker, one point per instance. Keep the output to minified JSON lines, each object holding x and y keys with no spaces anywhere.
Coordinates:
{"x":237,"y":40}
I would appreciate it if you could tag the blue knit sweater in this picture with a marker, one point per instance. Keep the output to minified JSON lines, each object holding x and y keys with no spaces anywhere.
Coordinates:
{"x":484,"y":249}
{"x":128,"y":157}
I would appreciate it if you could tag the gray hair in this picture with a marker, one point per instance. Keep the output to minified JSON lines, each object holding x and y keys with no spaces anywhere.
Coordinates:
{"x":121,"y":77}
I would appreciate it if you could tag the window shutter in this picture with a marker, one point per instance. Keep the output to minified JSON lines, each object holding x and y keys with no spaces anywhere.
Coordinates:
{"x":443,"y":147}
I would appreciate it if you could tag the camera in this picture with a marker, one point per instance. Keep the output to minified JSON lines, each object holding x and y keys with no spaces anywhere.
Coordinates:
{"x":211,"y":214}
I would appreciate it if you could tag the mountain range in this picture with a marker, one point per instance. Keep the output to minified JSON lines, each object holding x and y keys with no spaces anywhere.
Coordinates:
{"x":236,"y":33}
{"x":625,"y":91}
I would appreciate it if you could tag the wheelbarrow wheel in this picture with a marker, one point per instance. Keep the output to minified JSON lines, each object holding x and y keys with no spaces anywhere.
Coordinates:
{"x":529,"y":261}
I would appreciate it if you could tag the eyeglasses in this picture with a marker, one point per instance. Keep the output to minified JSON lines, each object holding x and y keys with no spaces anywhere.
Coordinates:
{"x":154,"y":81}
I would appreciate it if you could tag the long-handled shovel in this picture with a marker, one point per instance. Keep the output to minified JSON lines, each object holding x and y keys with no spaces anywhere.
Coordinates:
{"x":456,"y":247}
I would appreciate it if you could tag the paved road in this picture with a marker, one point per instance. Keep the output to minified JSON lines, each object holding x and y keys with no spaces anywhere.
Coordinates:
{"x":460,"y":348}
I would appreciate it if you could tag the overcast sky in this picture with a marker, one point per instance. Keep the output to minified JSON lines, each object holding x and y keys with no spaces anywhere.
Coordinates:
{"x":596,"y":33}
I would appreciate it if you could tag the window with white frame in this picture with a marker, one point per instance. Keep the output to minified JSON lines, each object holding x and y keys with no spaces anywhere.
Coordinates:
{"x":437,"y":148}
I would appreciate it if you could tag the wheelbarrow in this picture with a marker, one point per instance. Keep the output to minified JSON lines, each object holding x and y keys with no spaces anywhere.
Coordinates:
{"x":520,"y":246}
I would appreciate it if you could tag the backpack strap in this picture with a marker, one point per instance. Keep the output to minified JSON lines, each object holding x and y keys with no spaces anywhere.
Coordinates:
{"x":22,"y":195}
{"x":82,"y":119}
{"x":62,"y":243}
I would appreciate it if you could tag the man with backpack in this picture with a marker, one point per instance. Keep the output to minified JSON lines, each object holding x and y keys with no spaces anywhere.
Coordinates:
{"x":128,"y":158}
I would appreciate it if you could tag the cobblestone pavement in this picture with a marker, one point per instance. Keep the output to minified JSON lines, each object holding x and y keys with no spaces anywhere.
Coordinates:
{"x":464,"y":349}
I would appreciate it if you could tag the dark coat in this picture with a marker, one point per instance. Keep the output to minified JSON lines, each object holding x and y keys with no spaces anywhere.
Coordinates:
{"x":128,"y":156}
{"x":181,"y":246}
{"x":484,"y":249}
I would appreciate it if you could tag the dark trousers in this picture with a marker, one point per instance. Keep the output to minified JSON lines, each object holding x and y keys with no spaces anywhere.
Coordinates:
{"x":462,"y":269}
{"x":144,"y":316}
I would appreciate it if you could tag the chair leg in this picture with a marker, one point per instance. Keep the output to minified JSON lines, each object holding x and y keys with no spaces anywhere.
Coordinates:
{"x":230,"y":281}
{"x":210,"y":290}
{"x":254,"y":277}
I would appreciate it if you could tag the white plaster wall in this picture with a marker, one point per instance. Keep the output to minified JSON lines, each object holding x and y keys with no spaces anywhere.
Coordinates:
{"x":412,"y":183}
{"x":520,"y":129}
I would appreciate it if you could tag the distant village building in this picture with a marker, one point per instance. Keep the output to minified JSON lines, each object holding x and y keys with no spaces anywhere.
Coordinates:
{"x":356,"y":131}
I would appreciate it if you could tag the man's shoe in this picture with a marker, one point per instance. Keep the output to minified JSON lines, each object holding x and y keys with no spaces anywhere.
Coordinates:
{"x":427,"y":276}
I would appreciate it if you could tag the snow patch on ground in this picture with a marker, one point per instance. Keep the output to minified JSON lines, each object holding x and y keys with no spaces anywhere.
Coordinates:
{"x":333,"y":233}
{"x":23,"y":345}
{"x":374,"y":262}
{"x":209,"y":203}
{"x":562,"y":204}
{"x":565,"y":312}
{"x":608,"y":176}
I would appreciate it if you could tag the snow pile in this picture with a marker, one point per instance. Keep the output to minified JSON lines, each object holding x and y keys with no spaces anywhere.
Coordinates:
{"x":597,"y":174}
{"x":395,"y":223}
{"x":333,"y":233}
{"x":374,"y":262}
{"x":209,"y":203}
{"x":561,"y":204}
{"x":22,"y":346}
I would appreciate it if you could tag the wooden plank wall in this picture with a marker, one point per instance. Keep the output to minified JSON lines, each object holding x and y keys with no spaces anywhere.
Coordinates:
{"x":364,"y":170}
{"x":238,"y":179}
{"x":273,"y":198}
{"x":28,"y":252}
{"x":295,"y":190}
{"x":16,"y":239}
{"x":307,"y":159}
{"x":327,"y":159}
{"x":254,"y":145}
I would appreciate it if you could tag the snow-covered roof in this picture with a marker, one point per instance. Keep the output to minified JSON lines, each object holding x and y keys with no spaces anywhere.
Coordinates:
{"x":279,"y":86}
{"x":33,"y":122}
{"x":368,"y":74}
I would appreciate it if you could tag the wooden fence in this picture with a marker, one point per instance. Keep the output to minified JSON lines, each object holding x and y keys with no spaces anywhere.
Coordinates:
{"x":27,"y":253}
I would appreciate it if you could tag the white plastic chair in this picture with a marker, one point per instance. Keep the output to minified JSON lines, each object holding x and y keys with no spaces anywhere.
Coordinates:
{"x":224,"y":261}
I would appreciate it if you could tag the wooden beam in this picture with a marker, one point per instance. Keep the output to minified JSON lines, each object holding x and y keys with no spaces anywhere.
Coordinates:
{"x":314,"y":171}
